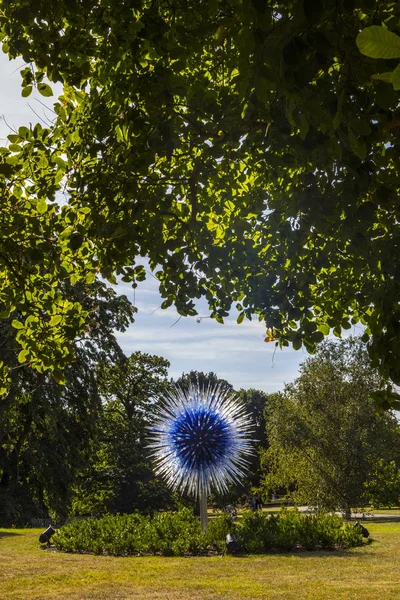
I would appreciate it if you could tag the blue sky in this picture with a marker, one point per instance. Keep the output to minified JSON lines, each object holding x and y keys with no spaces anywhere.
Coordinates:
{"x":235,"y":352}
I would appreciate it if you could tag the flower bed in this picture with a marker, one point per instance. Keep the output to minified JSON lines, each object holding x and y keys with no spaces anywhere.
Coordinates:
{"x":179,"y":533}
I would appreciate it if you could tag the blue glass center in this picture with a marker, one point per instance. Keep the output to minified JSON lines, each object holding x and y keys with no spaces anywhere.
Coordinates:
{"x":200,"y":438}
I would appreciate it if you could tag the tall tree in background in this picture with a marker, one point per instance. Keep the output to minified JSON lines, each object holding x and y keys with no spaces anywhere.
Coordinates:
{"x":256,"y":403}
{"x":45,"y":427}
{"x":326,"y":440}
{"x":243,"y":147}
{"x":202,"y":379}
{"x":118,"y":475}
{"x":136,"y":382}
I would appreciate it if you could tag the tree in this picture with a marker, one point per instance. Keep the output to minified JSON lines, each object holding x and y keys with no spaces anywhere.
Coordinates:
{"x":241,"y":146}
{"x":136,"y":382}
{"x":203,"y":379}
{"x":118,"y":475}
{"x":383,"y":486}
{"x":45,"y":427}
{"x":256,"y":403}
{"x":326,"y":440}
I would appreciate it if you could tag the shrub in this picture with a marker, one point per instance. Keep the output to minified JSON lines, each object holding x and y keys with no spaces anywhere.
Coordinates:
{"x":218,"y":529}
{"x":179,"y":533}
{"x":259,"y":532}
{"x":169,"y":533}
{"x":251,"y":531}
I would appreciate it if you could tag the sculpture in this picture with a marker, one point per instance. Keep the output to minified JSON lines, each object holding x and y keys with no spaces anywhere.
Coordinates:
{"x":200,"y":441}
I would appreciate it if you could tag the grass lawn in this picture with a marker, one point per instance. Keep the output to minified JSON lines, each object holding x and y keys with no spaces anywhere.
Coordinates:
{"x":385,"y":511}
{"x":367,"y":573}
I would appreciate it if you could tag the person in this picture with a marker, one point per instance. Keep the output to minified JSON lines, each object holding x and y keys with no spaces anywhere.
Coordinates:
{"x":258,"y":502}
{"x":252,"y":503}
{"x":232,"y":512}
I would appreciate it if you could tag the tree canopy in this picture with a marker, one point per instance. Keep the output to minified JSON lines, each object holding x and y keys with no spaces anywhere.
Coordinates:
{"x":46,"y":429}
{"x":328,"y":446}
{"x":204,"y":380}
{"x":118,"y":474}
{"x":242,"y":147}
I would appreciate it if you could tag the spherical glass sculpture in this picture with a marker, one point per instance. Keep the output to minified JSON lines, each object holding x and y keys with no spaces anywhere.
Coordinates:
{"x":201,"y":440}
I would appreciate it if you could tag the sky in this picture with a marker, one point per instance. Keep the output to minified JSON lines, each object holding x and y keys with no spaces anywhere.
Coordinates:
{"x":235,"y":352}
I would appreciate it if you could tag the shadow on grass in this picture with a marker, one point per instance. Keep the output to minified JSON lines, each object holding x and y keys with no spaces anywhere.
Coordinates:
{"x":8,"y":534}
{"x":331,"y":553}
{"x":302,"y":553}
{"x":378,"y":519}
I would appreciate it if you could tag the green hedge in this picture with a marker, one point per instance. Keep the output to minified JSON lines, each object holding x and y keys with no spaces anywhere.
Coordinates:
{"x":179,"y":533}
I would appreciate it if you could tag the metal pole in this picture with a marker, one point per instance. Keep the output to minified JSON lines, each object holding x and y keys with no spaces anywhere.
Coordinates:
{"x":203,"y":511}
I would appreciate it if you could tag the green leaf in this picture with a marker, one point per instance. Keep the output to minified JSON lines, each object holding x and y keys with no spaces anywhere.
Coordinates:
{"x":378,"y":42}
{"x":316,"y":337}
{"x":75,"y":242}
{"x":240,"y":318}
{"x":339,"y":113}
{"x":59,"y":377}
{"x":360,"y":126}
{"x":26,"y":91}
{"x":22,"y":356}
{"x":358,"y":146}
{"x":304,"y":126}
{"x":111,"y":278}
{"x":310,"y":346}
{"x":41,"y":206}
{"x":45,"y":89}
{"x":297,"y":343}
{"x":90,"y":277}
{"x":6,"y":169}
{"x":396,"y":78}
{"x":24,"y":132}
{"x":55,"y":320}
{"x":17,"y":324}
{"x":324,"y":328}
{"x":387,"y":76}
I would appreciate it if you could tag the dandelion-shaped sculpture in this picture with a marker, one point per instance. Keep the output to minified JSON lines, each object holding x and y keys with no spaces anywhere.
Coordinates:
{"x":200,"y":441}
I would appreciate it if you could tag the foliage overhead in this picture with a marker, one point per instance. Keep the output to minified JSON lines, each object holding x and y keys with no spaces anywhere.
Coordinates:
{"x":379,"y":42}
{"x":243,"y":147}
{"x":327,"y":444}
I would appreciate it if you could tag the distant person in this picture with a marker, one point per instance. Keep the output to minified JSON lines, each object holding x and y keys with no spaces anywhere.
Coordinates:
{"x":252,"y":503}
{"x":258,"y":502}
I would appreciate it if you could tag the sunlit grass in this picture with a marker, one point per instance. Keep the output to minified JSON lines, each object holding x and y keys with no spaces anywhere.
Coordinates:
{"x":369,"y":572}
{"x":395,"y":512}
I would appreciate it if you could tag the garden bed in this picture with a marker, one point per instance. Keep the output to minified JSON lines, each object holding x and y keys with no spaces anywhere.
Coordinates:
{"x":179,"y":534}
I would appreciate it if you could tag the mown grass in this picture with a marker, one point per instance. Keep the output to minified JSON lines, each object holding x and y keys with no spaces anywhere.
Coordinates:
{"x":395,"y":512}
{"x":369,"y":572}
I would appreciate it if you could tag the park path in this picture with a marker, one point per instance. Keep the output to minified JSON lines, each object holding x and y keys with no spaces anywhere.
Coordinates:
{"x":367,"y":516}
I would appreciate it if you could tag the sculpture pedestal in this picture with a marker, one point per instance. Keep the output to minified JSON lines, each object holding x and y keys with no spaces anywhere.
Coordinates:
{"x":203,"y":512}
